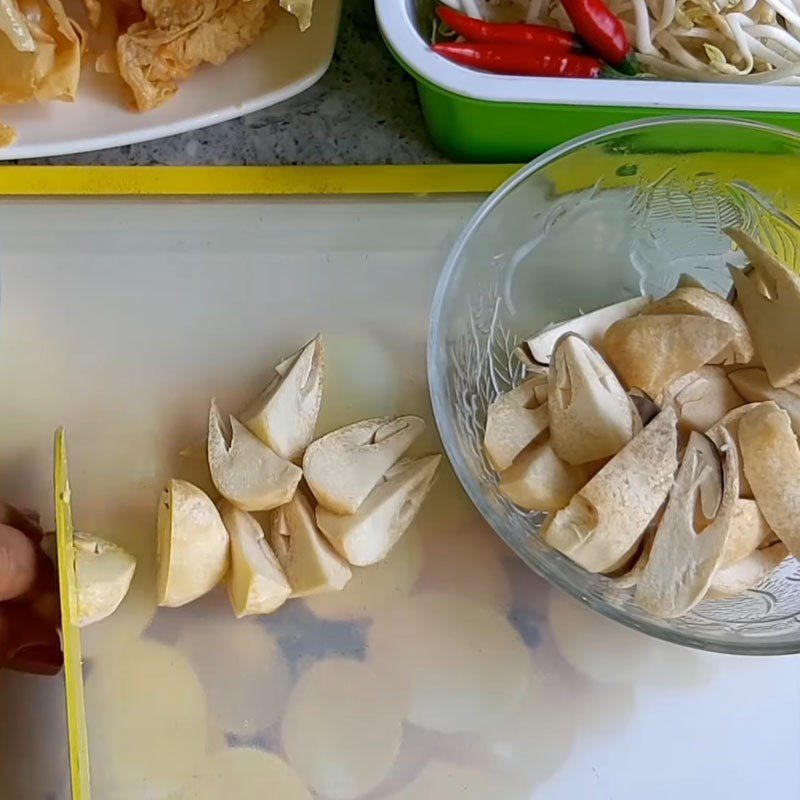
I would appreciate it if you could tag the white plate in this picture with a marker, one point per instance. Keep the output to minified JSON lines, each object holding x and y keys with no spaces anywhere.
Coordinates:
{"x":281,"y":64}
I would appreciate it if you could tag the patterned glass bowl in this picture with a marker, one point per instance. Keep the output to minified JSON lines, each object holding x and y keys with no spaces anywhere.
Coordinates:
{"x":611,"y":215}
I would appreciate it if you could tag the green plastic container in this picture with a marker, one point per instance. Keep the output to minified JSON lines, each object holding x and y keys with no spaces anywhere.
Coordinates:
{"x":475,"y":116}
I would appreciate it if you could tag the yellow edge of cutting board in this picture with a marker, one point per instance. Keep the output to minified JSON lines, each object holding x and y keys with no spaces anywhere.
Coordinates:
{"x":421,"y":180}
{"x":73,"y":668}
{"x":231,"y":181}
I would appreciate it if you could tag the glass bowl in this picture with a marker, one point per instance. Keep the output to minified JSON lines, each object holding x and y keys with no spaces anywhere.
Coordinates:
{"x":611,"y":215}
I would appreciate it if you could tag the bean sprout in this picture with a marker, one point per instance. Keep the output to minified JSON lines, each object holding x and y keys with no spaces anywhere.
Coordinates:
{"x":742,"y":41}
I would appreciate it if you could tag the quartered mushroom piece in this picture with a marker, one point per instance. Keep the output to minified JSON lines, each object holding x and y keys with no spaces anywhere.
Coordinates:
{"x":103,"y":572}
{"x":367,"y":536}
{"x":245,"y":471}
{"x":749,"y":532}
{"x":256,"y":583}
{"x":771,"y":458}
{"x":514,"y":420}
{"x":285,"y":415}
{"x":540,"y":481}
{"x":605,"y":519}
{"x":770,"y":300}
{"x":310,"y":564}
{"x":344,"y":466}
{"x":683,"y":559}
{"x":730,"y":422}
{"x":650,"y":351}
{"x":591,"y":415}
{"x":193,"y":544}
{"x":703,"y":398}
{"x":629,"y":578}
{"x":754,"y":385}
{"x":537,"y":350}
{"x":737,"y":578}
{"x":697,"y":300}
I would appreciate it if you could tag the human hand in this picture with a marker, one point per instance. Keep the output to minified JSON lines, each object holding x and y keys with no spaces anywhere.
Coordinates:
{"x":29,"y":618}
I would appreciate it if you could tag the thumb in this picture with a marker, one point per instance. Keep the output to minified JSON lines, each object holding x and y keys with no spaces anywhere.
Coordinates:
{"x":17,"y":563}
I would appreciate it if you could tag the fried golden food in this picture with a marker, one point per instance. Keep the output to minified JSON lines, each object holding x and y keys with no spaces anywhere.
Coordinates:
{"x":52,"y":69}
{"x":153,"y":59}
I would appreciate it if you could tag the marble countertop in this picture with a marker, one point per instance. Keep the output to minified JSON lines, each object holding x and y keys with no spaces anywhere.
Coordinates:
{"x":363,"y":111}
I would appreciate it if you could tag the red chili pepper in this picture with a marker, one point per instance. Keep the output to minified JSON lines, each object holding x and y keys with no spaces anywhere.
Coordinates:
{"x":475,"y":30}
{"x":603,"y":33}
{"x":512,"y":58}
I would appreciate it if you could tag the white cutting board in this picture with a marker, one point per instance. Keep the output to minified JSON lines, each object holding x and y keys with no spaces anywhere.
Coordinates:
{"x":121,"y":319}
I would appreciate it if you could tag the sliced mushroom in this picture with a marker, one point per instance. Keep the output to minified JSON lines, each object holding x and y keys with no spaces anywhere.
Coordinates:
{"x":103,"y":572}
{"x":703,"y":398}
{"x":746,"y":574}
{"x":754,"y":385}
{"x":649,"y":352}
{"x":540,"y":481}
{"x":367,"y":536}
{"x":686,"y":281}
{"x":610,"y":513}
{"x":514,"y":420}
{"x":310,"y":564}
{"x":343,"y":467}
{"x":683,"y":560}
{"x":772,"y":465}
{"x":646,"y":407}
{"x":256,"y":583}
{"x":771,"y":309}
{"x":285,"y":415}
{"x":591,"y":415}
{"x":193,"y":545}
{"x":749,"y":532}
{"x":246,"y":471}
{"x":538,"y":349}
{"x":731,"y":424}
{"x":693,"y":300}
{"x":629,"y":579}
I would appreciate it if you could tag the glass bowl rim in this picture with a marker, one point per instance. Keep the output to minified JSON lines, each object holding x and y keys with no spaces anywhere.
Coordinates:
{"x":444,"y":423}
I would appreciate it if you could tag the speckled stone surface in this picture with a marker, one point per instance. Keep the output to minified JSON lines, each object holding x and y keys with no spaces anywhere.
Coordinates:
{"x":363,"y":111}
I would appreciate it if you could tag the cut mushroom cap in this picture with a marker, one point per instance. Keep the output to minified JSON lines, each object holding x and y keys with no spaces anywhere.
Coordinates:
{"x":256,"y":583}
{"x":649,"y":352}
{"x":686,"y":281}
{"x":730,"y":422}
{"x":610,"y":513}
{"x":342,"y":468}
{"x":770,"y":301}
{"x":309,"y":562}
{"x":193,"y":545}
{"x":540,"y":481}
{"x":285,"y":415}
{"x":747,"y":573}
{"x":749,"y":531}
{"x":754,"y":385}
{"x":367,"y":536}
{"x":591,"y":415}
{"x":247,"y":472}
{"x":538,"y":349}
{"x":703,"y":398}
{"x":694,"y":300}
{"x":514,"y":420}
{"x":772,"y":465}
{"x":103,"y":572}
{"x":683,"y":560}
{"x":629,"y":579}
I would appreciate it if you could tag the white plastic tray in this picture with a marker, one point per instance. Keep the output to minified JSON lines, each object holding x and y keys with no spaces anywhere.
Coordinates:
{"x":121,"y":318}
{"x":398,"y":21}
